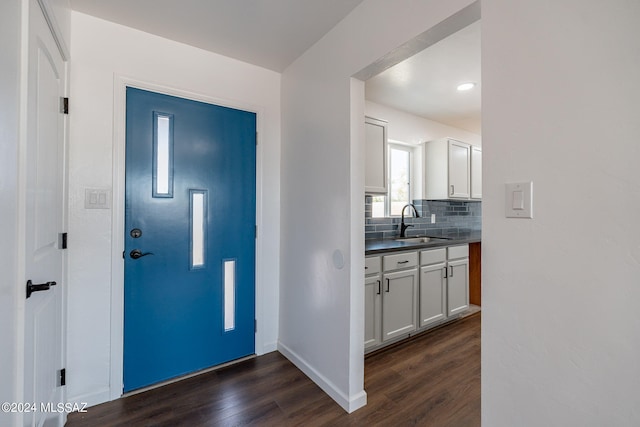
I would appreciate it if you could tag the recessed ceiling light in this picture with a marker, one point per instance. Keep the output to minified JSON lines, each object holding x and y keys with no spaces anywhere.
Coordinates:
{"x":466,"y":86}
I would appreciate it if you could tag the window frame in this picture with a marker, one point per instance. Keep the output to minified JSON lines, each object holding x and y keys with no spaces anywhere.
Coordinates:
{"x":410,"y":149}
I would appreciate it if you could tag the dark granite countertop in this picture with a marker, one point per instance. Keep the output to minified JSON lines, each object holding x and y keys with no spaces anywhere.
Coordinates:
{"x":381,"y":246}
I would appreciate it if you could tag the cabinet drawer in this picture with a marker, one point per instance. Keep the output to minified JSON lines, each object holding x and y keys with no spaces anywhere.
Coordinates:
{"x":396,"y":261}
{"x":371,"y":265}
{"x":433,"y":256}
{"x":455,"y":252}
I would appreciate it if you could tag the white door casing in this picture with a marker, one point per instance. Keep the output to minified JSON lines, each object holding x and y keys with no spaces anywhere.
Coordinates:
{"x":44,"y":223}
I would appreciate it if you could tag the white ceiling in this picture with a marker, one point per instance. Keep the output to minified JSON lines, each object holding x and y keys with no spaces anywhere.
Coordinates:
{"x":273,"y":33}
{"x":425,"y":84}
{"x":268,"y":33}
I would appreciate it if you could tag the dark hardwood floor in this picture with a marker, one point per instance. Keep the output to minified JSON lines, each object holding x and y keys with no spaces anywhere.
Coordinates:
{"x":432,"y":380}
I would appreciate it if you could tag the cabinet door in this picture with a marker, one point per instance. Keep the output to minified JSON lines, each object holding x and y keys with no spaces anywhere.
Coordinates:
{"x":372,"y":311}
{"x":375,"y":177}
{"x":458,"y":286}
{"x":433,"y":294}
{"x":476,"y":173}
{"x":399,"y":303}
{"x":459,"y":164}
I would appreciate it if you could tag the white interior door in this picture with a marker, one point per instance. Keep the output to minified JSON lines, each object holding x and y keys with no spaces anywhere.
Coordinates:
{"x":44,"y":221}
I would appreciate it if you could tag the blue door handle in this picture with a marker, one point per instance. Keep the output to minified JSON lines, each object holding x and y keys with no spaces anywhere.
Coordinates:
{"x":137,"y":253}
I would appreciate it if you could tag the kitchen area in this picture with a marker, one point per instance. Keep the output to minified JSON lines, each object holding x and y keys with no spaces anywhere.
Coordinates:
{"x":423,"y":191}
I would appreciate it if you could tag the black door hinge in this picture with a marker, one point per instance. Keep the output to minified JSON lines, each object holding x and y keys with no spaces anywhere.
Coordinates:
{"x":62,"y":378}
{"x":62,"y":240}
{"x":64,"y":105}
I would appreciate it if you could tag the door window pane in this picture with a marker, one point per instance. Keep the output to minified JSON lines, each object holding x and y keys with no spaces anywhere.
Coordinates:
{"x":163,"y":155}
{"x":229,"y":295}
{"x":198,"y":227}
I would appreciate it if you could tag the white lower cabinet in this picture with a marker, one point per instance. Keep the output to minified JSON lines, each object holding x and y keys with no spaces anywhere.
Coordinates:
{"x":399,"y":303}
{"x":410,"y":291}
{"x":457,"y":279}
{"x":372,"y":311}
{"x":372,"y":302}
{"x":457,"y":286}
{"x":433,"y":294}
{"x":444,"y":283}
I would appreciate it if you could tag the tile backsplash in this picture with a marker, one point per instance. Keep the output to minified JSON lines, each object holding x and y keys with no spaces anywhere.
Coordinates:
{"x":452,"y":217}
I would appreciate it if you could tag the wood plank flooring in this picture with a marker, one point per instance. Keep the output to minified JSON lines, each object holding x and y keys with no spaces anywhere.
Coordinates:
{"x":432,"y":380}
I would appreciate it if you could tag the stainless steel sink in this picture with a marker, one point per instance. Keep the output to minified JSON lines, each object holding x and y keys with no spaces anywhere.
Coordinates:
{"x":420,"y":239}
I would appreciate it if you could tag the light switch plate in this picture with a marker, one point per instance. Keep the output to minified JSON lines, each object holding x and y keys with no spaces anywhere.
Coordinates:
{"x":96,"y":198}
{"x":519,"y":200}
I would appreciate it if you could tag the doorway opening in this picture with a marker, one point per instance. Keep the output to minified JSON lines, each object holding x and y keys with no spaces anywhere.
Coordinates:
{"x":414,"y":92}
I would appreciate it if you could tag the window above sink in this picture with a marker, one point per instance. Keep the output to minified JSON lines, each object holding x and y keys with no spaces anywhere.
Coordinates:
{"x":400,"y":178}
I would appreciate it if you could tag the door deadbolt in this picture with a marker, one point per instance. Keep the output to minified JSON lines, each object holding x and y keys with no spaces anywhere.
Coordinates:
{"x":135,"y":233}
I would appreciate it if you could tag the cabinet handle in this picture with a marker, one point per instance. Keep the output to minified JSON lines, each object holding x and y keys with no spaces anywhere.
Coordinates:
{"x":451,"y":273}
{"x":379,"y":287}
{"x":452,"y":190}
{"x":388,"y":285}
{"x":445,"y":272}
{"x":403,"y":262}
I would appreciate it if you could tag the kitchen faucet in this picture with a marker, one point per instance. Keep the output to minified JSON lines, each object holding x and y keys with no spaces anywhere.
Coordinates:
{"x":403,"y":226}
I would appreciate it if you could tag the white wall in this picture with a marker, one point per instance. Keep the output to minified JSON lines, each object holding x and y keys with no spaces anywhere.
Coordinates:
{"x":560,"y":323}
{"x":321,"y":321}
{"x":11,"y":277}
{"x":101,"y":51}
{"x":413,"y":129}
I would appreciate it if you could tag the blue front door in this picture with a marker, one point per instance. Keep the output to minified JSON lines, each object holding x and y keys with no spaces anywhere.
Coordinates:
{"x":189,"y":236}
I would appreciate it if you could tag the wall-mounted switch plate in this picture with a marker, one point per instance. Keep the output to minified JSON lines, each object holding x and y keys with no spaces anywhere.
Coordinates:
{"x":519,"y":200}
{"x":95,"y":198}
{"x":433,"y":218}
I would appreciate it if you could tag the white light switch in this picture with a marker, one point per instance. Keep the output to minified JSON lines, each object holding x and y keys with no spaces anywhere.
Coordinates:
{"x":519,"y":200}
{"x":95,"y":198}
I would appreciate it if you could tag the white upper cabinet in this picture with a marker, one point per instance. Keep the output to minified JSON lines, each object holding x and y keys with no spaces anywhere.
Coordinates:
{"x":476,"y":172}
{"x":447,"y":170}
{"x":375,"y":178}
{"x":459,"y":170}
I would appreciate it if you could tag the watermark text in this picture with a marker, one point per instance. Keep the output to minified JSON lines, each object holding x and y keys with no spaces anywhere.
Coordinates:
{"x":47,"y":407}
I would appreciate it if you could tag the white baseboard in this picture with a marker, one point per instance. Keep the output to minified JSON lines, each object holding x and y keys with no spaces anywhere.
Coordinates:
{"x":93,"y":398}
{"x":348,"y":403}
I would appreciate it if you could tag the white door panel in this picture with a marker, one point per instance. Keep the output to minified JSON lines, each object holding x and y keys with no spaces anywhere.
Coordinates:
{"x":44,"y":221}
